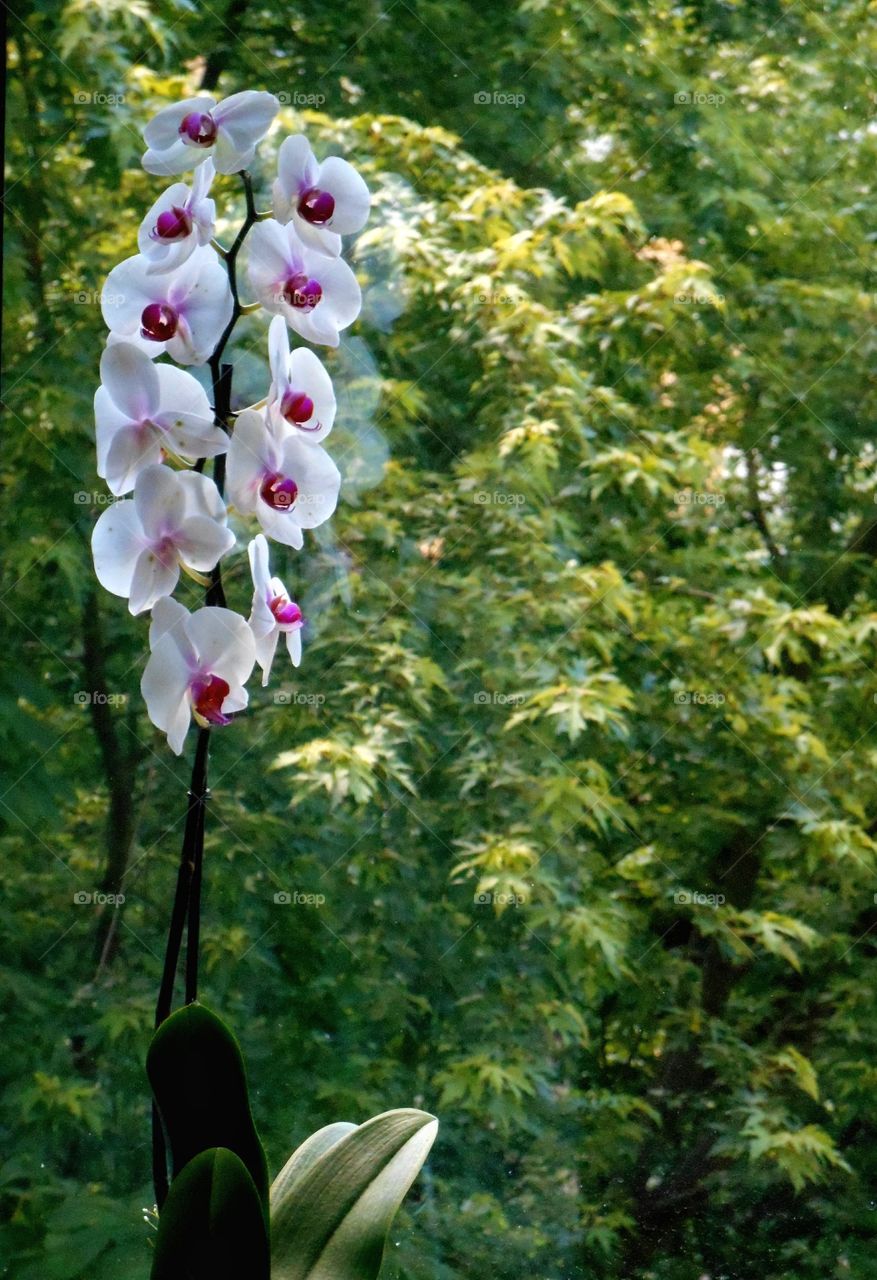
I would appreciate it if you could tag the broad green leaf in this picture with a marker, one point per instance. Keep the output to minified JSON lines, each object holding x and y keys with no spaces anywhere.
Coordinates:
{"x":199,"y":1080}
{"x":334,"y":1202}
{"x":212,"y":1226}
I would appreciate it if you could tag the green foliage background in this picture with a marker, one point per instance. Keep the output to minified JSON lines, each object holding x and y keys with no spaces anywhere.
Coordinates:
{"x":582,"y":752}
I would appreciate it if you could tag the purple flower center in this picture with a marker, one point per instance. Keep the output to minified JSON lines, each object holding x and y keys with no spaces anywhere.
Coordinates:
{"x":158,"y":322}
{"x":165,"y":550}
{"x":301,"y":292}
{"x":199,"y":128}
{"x":316,"y":206}
{"x":285,"y":610}
{"x":208,"y":694}
{"x":297,"y":407}
{"x":280,"y":492}
{"x":173,"y":224}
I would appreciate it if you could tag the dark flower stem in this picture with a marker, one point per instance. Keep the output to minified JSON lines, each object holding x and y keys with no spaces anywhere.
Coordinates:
{"x":186,"y":910}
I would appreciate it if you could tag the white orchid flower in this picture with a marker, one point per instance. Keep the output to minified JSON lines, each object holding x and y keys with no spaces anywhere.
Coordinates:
{"x":287,"y":484}
{"x":318,"y":296}
{"x":143,"y":410}
{"x":181,"y":220}
{"x":173,"y":519}
{"x":180,"y":135}
{"x":325,"y":201}
{"x":182,"y":312}
{"x":274,"y":612}
{"x":199,"y":664}
{"x":301,"y":394}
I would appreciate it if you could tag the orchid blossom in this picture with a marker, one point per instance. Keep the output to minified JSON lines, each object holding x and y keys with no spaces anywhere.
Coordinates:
{"x":324,"y":201}
{"x":143,"y":411}
{"x":183,"y":312}
{"x":181,"y":220}
{"x":173,"y":520}
{"x":181,"y":135}
{"x":274,"y":612}
{"x":318,"y":296}
{"x":287,"y":484}
{"x":180,"y":297}
{"x":301,"y":394}
{"x":198,"y":666}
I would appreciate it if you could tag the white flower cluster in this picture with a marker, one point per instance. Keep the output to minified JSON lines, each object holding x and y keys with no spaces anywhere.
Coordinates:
{"x":155,"y":426}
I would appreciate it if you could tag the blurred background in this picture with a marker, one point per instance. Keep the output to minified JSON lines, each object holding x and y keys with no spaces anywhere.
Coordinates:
{"x":565,"y":829}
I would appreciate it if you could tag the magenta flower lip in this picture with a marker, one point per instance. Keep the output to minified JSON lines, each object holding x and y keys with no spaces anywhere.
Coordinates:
{"x":173,"y":224}
{"x":297,"y":407}
{"x":301,"y":292}
{"x":316,"y":206}
{"x":158,"y":322}
{"x":279,"y":492}
{"x":208,"y":694}
{"x":285,"y":610}
{"x":198,"y":127}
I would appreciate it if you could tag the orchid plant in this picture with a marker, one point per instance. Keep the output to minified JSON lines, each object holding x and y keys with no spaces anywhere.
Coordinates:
{"x":329,"y":1210}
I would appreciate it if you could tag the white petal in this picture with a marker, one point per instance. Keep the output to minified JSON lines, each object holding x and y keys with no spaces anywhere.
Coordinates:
{"x":131,"y":380}
{"x":169,"y":617}
{"x":202,"y":180}
{"x":340,"y":289}
{"x":224,"y":643}
{"x":202,"y":543}
{"x":165,"y":685}
{"x":178,"y":390}
{"x":160,"y":501}
{"x":351,"y":195}
{"x":318,"y":239}
{"x":228,"y":158}
{"x":236,"y":699}
{"x":257,"y":551}
{"x":278,"y":350}
{"x":297,"y":169}
{"x":116,"y":542}
{"x":246,"y":117}
{"x":166,"y":164}
{"x":131,"y":449}
{"x":209,"y":304}
{"x":282,"y":526}
{"x":146,"y":345}
{"x":318,"y":481}
{"x":151,"y":580}
{"x":270,"y":261}
{"x":293,"y":646}
{"x":202,"y":496}
{"x":192,"y":438}
{"x":164,"y":128}
{"x":127,"y":290}
{"x":266,"y":647}
{"x":251,"y":455}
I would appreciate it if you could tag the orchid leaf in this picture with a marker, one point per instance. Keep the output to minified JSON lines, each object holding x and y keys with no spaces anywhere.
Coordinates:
{"x":199,"y":1080}
{"x":334,"y":1202}
{"x":212,"y":1226}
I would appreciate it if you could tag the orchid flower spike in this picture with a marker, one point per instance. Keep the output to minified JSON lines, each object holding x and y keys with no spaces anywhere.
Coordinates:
{"x":198,"y":665}
{"x":182,"y":219}
{"x":317,"y":295}
{"x":274,"y":613}
{"x":143,"y":410}
{"x":301,"y":395}
{"x":287,"y":484}
{"x":174,"y":519}
{"x":181,"y":135}
{"x":182,"y":312}
{"x":325,"y":201}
